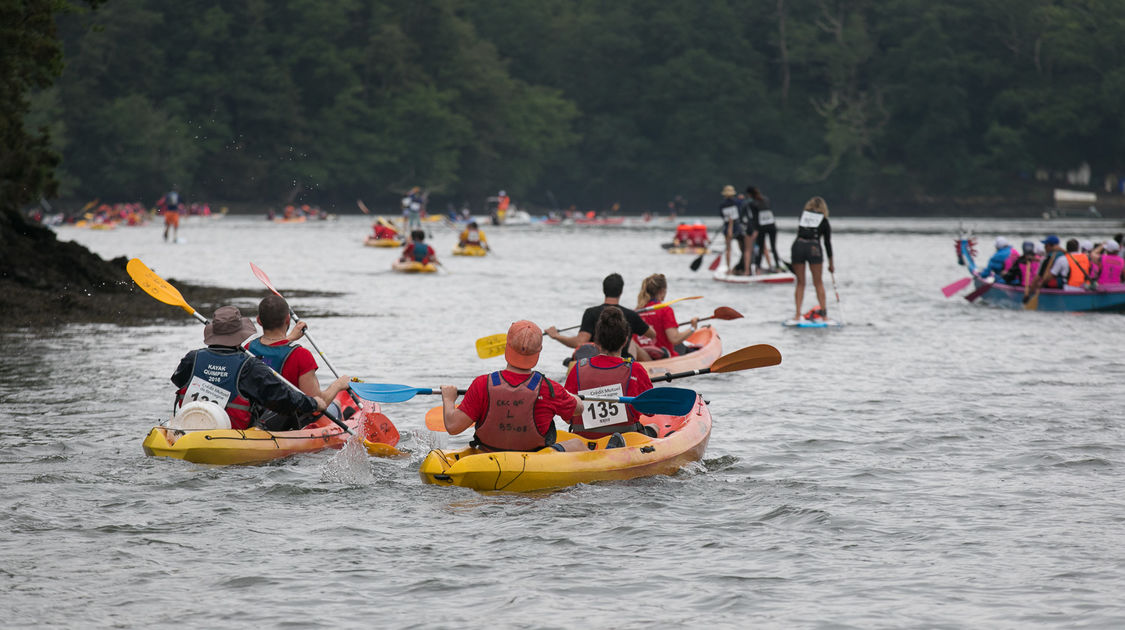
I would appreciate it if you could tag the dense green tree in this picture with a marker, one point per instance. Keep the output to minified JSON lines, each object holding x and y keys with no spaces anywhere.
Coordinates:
{"x":597,"y":101}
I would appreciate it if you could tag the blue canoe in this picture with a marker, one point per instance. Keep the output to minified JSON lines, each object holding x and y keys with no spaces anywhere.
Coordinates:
{"x":1104,"y":298}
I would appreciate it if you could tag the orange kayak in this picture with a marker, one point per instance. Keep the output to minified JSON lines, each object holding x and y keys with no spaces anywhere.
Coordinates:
{"x":710,"y":348}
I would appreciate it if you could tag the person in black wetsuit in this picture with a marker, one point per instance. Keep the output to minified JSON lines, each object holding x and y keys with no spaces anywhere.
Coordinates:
{"x":762,"y":218}
{"x":812,"y":226}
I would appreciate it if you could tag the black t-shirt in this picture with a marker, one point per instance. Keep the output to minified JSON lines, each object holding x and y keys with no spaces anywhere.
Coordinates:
{"x":590,"y":319}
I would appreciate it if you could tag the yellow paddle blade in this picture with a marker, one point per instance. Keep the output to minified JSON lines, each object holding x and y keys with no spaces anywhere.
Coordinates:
{"x":671,"y":302}
{"x":491,"y":346}
{"x":385,"y":223}
{"x":156,"y":286}
{"x":435,"y":419}
{"x":756,"y":356}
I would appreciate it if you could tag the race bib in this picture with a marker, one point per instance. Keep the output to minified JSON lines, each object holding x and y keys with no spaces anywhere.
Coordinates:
{"x":597,"y":413}
{"x":765,"y":217}
{"x":811,"y":219}
{"x":202,"y":389}
{"x":730,"y":213}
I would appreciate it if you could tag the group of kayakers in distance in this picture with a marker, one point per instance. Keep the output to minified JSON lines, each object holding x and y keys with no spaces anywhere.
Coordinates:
{"x":1076,"y":265}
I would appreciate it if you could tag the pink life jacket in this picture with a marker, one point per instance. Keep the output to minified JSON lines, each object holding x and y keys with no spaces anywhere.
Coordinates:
{"x":1111,"y":265}
{"x":1012,"y":258}
{"x":509,"y":423}
{"x":1025,"y":274}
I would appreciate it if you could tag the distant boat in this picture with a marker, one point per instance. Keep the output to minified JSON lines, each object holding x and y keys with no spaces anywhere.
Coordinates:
{"x":1104,"y":298}
{"x":1073,"y":204}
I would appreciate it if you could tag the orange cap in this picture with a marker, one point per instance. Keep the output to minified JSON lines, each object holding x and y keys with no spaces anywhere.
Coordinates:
{"x":524,"y":342}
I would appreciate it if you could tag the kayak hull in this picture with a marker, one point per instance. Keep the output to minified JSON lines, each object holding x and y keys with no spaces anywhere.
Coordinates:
{"x":681,"y":440}
{"x":710,"y":348}
{"x":226,"y":447}
{"x":413,"y":267}
{"x":1105,"y":298}
{"x":470,"y":250}
{"x":382,"y":242}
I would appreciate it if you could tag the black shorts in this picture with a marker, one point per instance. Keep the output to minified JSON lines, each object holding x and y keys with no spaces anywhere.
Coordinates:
{"x":806,"y":250}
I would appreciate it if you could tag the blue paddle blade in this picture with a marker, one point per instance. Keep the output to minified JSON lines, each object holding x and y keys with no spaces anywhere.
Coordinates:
{"x":669,"y":401}
{"x":388,"y":392}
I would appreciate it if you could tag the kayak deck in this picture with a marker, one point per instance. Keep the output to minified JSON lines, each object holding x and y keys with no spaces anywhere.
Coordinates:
{"x":469,"y":250}
{"x":681,"y":440}
{"x":413,"y":267}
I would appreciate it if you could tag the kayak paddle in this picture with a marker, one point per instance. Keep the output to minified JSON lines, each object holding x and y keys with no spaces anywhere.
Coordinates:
{"x":723,"y":312}
{"x":493,"y":345}
{"x":392,"y":393}
{"x":159,"y":288}
{"x":954,"y":287}
{"x":748,"y":358}
{"x":384,"y":432}
{"x":670,"y":401}
{"x":981,"y":290}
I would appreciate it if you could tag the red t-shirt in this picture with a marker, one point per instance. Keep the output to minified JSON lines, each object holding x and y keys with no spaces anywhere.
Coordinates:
{"x":299,"y":362}
{"x":660,"y":320}
{"x":639,"y":382}
{"x":562,"y":404}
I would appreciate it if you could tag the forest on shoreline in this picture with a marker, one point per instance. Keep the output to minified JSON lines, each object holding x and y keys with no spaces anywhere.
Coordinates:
{"x":878,"y":105}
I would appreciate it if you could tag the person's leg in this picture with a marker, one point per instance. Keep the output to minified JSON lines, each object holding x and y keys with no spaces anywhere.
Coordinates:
{"x":773,"y":247}
{"x":747,"y":254}
{"x":726,"y":250}
{"x":799,"y":293}
{"x":818,"y":282}
{"x":759,"y":250}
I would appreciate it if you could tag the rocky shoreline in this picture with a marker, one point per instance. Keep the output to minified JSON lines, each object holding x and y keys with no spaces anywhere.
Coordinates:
{"x":45,"y":282}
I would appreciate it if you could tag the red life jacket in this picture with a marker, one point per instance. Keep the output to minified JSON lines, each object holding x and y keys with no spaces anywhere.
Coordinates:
{"x":588,"y":376}
{"x":509,"y":424}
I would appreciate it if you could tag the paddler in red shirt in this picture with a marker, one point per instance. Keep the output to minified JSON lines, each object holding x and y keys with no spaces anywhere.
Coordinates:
{"x":277,"y":348}
{"x":668,"y":334}
{"x":512,"y":409}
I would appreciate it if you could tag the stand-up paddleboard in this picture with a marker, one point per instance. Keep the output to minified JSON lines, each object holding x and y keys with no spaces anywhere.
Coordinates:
{"x":809,"y":323}
{"x":781,"y":277}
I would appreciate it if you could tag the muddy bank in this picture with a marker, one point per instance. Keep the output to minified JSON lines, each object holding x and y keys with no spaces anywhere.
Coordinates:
{"x":45,"y":282}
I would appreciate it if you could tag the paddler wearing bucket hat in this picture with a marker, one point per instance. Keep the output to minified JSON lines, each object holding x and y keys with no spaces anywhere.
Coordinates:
{"x":512,"y":409}
{"x":224,"y":374}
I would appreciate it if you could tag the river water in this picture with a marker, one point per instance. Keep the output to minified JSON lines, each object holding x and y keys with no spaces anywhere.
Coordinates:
{"x":932,"y":464}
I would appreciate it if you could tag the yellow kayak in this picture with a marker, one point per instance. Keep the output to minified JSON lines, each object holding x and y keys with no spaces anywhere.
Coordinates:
{"x":382,"y":242}
{"x":255,"y":446}
{"x":682,"y":439}
{"x":469,"y":250}
{"x":413,"y":267}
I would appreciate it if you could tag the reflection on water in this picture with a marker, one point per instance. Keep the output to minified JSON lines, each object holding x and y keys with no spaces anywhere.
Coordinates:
{"x":932,"y":463}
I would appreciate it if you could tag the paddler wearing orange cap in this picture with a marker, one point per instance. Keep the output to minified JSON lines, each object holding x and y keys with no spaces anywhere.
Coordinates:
{"x":512,"y":409}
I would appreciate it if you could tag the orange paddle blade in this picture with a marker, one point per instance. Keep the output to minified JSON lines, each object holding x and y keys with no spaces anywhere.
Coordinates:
{"x":726,"y":312}
{"x":756,"y":356}
{"x":435,"y":419}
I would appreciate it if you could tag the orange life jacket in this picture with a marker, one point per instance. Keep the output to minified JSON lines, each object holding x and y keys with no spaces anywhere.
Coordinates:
{"x":1079,"y":269}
